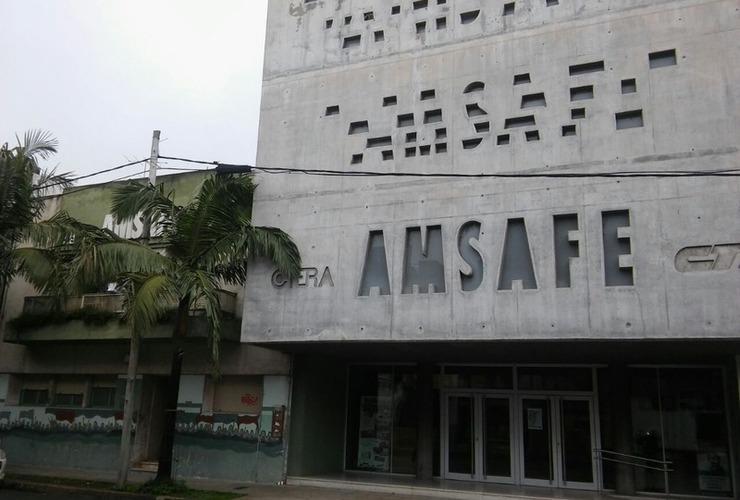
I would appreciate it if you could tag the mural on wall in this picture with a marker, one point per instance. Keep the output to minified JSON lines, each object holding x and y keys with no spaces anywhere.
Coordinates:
{"x":82,"y":421}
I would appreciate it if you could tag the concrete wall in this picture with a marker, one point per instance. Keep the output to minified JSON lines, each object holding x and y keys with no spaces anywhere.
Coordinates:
{"x":326,"y":108}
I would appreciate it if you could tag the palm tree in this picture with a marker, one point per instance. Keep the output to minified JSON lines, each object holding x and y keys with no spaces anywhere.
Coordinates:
{"x":206,"y":243}
{"x":22,"y":189}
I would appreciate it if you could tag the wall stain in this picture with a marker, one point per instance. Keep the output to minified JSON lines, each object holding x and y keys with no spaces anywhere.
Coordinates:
{"x":301,"y":10}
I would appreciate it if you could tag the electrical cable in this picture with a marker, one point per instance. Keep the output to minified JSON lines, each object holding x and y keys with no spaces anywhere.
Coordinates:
{"x":513,"y":175}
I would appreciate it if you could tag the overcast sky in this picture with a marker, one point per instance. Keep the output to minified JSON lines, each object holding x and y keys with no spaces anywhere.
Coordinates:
{"x":101,"y":75}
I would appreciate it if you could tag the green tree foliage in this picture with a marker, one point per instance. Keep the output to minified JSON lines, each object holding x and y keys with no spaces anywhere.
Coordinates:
{"x":22,"y":189}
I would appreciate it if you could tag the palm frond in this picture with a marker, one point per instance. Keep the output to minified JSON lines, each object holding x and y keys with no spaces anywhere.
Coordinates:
{"x":147,"y":298}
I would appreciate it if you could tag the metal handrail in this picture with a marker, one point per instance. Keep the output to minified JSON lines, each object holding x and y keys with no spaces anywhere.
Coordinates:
{"x":637,"y":461}
{"x":665,"y":464}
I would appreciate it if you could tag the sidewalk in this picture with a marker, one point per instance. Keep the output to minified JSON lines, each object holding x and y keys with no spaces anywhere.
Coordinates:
{"x":346,"y":486}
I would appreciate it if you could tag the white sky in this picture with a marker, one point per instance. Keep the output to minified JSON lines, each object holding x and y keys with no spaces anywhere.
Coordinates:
{"x":101,"y":75}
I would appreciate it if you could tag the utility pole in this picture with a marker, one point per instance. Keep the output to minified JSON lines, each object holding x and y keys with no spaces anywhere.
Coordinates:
{"x":133,"y":355}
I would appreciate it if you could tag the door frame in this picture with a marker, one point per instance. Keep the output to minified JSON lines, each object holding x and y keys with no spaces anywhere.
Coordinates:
{"x":556,"y":440}
{"x":478,"y":397}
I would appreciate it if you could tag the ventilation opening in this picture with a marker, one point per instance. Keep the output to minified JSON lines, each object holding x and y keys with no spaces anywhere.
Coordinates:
{"x":328,"y":23}
{"x":469,"y":17}
{"x":483,"y":127}
{"x":578,"y":113}
{"x":629,"y":86}
{"x":379,"y":36}
{"x":532,"y":135}
{"x":331,"y":110}
{"x":474,"y":87}
{"x":441,"y":133}
{"x":369,"y":16}
{"x":440,"y":148}
{"x":411,"y":137}
{"x":522,"y":78}
{"x":471,"y":143}
{"x":427,"y":94}
{"x":421,"y":27}
{"x":356,"y":159}
{"x":420,"y":4}
{"x":347,"y":20}
{"x":509,"y":8}
{"x":569,"y":130}
{"x":520,"y":121}
{"x":582,"y":69}
{"x":433,"y":116}
{"x":396,"y":9}
{"x":629,"y":119}
{"x":358,"y":127}
{"x":474,"y":110}
{"x":351,"y":41}
{"x":410,"y":152}
{"x":582,"y":93}
{"x":406,"y":120}
{"x":441,"y":23}
{"x":391,"y":100}
{"x":533,"y":100}
{"x":503,"y":139}
{"x":425,"y":150}
{"x":387,"y":155}
{"x":375,"y":142}
{"x":662,"y":59}
{"x":551,"y":3}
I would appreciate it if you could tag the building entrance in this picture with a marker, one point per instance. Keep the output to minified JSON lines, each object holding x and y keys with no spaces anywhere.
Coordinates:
{"x":526,"y":425}
{"x":540,"y":440}
{"x":479,"y":438}
{"x":557,"y":441}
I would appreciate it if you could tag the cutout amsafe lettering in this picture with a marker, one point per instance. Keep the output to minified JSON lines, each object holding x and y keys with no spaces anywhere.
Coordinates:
{"x":721,"y":257}
{"x":472,"y":276}
{"x":516,"y":261}
{"x":424,"y":266}
{"x":375,"y":270}
{"x":308,"y":278}
{"x":616,"y":231}
{"x":566,"y":245}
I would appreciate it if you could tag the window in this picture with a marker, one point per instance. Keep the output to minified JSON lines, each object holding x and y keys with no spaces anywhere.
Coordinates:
{"x":582,"y":93}
{"x":522,"y":78}
{"x":103,"y":397}
{"x":629,"y":119}
{"x":509,"y":8}
{"x":629,"y":86}
{"x":662,"y":59}
{"x":34,"y":397}
{"x":34,"y":391}
{"x":69,"y":391}
{"x":381,"y":433}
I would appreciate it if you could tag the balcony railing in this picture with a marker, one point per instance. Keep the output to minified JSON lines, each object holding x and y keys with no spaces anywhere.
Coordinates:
{"x":112,"y":302}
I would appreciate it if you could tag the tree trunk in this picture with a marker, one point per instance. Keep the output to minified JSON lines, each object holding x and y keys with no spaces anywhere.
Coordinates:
{"x":164,"y":468}
{"x":128,"y":411}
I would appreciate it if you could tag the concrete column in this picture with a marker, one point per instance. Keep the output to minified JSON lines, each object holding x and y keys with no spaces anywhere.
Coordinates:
{"x":425,"y":429}
{"x":622,"y":427}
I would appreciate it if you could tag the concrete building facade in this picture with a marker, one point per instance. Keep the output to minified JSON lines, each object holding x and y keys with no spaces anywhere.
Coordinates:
{"x":521,"y":244}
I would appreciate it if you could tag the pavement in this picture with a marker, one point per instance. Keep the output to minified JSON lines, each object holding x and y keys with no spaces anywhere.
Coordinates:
{"x":352,"y":488}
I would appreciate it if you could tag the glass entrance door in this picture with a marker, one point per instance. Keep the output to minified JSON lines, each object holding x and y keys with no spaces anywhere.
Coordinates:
{"x":478,"y":438}
{"x":557,"y":442}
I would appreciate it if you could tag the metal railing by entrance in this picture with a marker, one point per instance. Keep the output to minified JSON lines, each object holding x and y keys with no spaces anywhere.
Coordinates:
{"x":663,"y":466}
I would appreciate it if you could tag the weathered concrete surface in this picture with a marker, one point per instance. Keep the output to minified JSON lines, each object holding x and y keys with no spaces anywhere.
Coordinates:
{"x":317,"y":96}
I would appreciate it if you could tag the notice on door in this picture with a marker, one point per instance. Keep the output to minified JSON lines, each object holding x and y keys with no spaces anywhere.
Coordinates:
{"x":534,"y":419}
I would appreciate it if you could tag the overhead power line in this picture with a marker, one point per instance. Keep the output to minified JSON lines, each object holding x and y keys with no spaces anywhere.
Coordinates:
{"x":231,"y":168}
